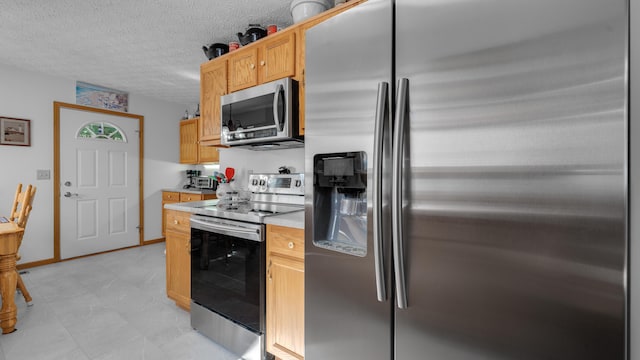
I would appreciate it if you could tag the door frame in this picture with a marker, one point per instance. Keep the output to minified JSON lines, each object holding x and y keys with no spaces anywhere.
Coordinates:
{"x":56,"y":168}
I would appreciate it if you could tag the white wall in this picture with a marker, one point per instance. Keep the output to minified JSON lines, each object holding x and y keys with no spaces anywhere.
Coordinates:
{"x":161,"y":156}
{"x":30,"y":95}
{"x":243,"y":161}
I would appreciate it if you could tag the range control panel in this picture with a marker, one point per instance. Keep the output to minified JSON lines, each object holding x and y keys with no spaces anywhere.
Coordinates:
{"x":292,"y":184}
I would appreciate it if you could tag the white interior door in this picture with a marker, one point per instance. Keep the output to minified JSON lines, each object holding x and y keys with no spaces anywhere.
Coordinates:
{"x":99,"y":182}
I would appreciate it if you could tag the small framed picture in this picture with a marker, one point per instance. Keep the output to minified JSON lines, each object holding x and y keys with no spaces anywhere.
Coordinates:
{"x":15,"y":131}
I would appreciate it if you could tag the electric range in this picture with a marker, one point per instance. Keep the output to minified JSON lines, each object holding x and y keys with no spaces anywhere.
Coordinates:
{"x":228,"y":262}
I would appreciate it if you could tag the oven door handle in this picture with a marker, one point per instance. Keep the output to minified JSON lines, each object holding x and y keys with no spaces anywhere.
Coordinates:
{"x":249,"y":234}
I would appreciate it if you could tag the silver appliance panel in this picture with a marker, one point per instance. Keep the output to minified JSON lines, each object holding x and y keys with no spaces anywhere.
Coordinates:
{"x":292,"y":184}
{"x":515,"y":179}
{"x":243,"y":230}
{"x":271,"y":194}
{"x":237,"y":339}
{"x":270,"y":134}
{"x":343,"y":318}
{"x":513,"y":202}
{"x":204,"y":182}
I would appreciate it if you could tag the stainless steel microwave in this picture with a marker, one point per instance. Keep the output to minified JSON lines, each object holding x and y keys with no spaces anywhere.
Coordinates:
{"x":262,"y":117}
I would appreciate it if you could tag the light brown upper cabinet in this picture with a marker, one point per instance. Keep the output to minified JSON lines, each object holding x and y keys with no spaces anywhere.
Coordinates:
{"x":213,"y":84}
{"x":191,"y":152}
{"x":270,"y":59}
{"x":189,"y":141}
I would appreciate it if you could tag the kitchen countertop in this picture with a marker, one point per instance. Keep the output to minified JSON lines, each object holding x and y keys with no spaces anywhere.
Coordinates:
{"x":293,"y":220}
{"x":190,"y":190}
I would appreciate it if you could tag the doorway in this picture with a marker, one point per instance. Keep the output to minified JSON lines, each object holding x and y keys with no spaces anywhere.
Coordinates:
{"x":98,"y":197}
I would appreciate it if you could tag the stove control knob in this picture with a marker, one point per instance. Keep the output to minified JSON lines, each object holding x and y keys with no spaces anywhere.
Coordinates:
{"x":298,"y":183}
{"x":262,"y":182}
{"x":254,"y":182}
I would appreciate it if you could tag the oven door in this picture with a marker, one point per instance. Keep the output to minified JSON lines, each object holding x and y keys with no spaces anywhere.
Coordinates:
{"x":258,"y":114}
{"x":228,"y":269}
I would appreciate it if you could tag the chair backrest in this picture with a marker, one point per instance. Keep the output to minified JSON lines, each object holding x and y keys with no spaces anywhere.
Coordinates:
{"x":22,"y":204}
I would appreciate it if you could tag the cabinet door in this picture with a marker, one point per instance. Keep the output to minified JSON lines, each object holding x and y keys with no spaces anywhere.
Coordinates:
{"x":184,"y":197}
{"x":208,"y":154}
{"x":243,"y":72}
{"x":285,"y":307}
{"x":278,"y":57}
{"x":168,"y":197}
{"x":178,"y":268}
{"x":213,"y":84}
{"x":189,"y":141}
{"x":285,"y":292}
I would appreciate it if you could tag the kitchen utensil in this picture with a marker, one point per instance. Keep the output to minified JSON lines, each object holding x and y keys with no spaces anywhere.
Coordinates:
{"x":215,"y":50}
{"x":303,"y":9}
{"x":229,"y":172}
{"x":253,"y":33}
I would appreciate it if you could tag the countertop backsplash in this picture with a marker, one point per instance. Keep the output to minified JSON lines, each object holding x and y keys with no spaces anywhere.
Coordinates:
{"x":246,"y":162}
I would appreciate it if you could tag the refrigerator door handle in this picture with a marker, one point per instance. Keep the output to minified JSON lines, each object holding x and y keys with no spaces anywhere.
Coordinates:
{"x":396,"y":193}
{"x":378,"y":252}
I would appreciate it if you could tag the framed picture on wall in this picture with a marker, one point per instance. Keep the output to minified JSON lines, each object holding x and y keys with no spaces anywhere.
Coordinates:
{"x":101,"y":97}
{"x":15,"y":131}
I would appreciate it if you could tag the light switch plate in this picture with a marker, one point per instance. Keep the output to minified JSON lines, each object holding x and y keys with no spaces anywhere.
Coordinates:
{"x":43,"y":174}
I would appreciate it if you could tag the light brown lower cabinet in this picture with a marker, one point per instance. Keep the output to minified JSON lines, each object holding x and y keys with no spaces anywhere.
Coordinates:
{"x":285,"y":292}
{"x":170,"y":197}
{"x":178,"y":257}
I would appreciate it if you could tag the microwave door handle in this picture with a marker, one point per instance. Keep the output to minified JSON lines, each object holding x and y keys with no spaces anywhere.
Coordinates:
{"x":276,"y":113}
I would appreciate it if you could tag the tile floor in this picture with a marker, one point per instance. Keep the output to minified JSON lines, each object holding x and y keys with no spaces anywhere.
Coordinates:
{"x":109,"y":306}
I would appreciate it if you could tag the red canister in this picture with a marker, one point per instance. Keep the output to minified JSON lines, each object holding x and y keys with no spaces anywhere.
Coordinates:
{"x":271,"y":29}
{"x":234,"y":45}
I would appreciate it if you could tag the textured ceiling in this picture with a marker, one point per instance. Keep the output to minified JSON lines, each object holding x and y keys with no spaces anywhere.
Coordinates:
{"x":147,"y":47}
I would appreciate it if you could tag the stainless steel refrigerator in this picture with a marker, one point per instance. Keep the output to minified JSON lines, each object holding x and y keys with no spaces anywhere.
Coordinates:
{"x":468,"y":181}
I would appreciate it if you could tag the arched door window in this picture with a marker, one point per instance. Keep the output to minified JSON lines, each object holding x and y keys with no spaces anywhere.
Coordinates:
{"x":101,"y":130}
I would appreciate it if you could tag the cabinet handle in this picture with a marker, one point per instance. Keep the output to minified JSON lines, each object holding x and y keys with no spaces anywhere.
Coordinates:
{"x":269,"y":270}
{"x":290,"y":244}
{"x":188,"y":246}
{"x":175,"y":222}
{"x":253,"y":66}
{"x":262,"y":63}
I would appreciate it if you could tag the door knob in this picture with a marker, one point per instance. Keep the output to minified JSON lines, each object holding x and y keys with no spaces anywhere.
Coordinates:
{"x":68,"y":194}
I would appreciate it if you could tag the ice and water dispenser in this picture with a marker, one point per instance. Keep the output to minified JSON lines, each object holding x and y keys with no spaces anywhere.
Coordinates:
{"x":340,"y":202}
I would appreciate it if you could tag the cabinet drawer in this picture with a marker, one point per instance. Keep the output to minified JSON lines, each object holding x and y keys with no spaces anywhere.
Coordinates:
{"x":286,"y":241}
{"x":178,"y":221}
{"x":190,"y":197}
{"x":170,"y":196}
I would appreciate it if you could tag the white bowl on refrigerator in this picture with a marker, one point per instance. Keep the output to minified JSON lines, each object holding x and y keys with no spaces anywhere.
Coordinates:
{"x":303,"y":9}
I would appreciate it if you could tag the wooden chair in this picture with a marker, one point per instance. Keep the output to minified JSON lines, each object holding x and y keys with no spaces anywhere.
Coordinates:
{"x":22,"y":205}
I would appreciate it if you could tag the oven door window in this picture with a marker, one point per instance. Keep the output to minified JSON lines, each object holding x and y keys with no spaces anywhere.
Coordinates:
{"x":227,"y":277}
